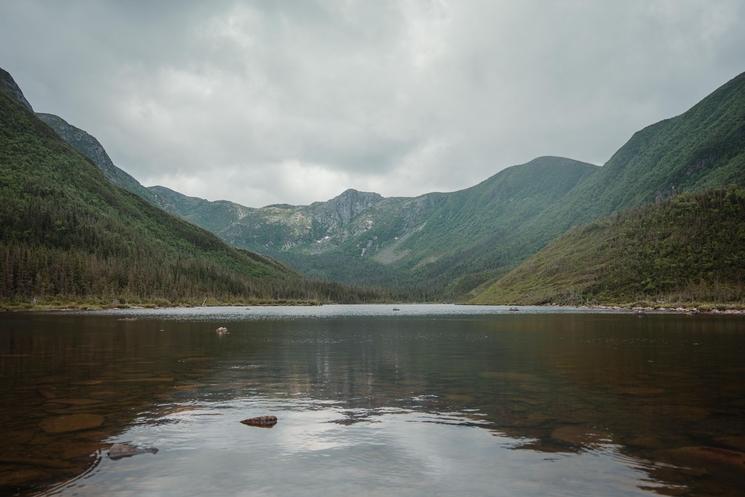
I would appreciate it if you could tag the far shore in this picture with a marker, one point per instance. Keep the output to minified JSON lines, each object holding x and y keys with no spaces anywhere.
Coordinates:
{"x":635,"y":307}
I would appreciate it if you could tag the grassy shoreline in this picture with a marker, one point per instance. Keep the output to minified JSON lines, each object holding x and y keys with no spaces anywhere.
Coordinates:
{"x":97,"y":305}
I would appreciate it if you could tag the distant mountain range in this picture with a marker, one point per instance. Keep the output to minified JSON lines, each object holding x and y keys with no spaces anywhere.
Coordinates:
{"x":425,"y":244}
{"x":460,"y":245}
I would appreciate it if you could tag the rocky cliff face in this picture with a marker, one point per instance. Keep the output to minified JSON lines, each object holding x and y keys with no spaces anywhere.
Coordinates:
{"x":12,"y":89}
{"x":90,"y":147}
{"x":81,"y":141}
{"x":341,"y":210}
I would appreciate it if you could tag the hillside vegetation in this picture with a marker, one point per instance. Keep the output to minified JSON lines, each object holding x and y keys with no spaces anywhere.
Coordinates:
{"x":688,"y":249}
{"x":427,"y":246}
{"x":69,"y":234}
{"x":701,"y":149}
{"x":451,"y":246}
{"x":91,"y":148}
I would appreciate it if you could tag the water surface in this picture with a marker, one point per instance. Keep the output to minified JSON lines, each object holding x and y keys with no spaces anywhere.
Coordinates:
{"x":425,"y":400}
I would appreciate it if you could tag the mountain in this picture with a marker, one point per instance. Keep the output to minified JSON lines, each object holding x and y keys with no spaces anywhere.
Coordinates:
{"x":700,"y":149}
{"x":448,"y":245}
{"x":68,"y":233}
{"x":454,"y":245}
{"x":91,"y":148}
{"x":687,"y":249}
{"x":412,"y":243}
{"x":10,"y":88}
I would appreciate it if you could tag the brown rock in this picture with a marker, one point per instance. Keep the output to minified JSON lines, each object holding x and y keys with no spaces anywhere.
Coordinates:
{"x":702,"y":455}
{"x":261,"y":421}
{"x":30,"y":461}
{"x":736,"y":442}
{"x":71,"y":422}
{"x":577,"y":435}
{"x":77,"y":402}
{"x":641,"y":391}
{"x":122,"y":450}
{"x":645,"y":442}
{"x":47,"y":392}
{"x":22,"y":476}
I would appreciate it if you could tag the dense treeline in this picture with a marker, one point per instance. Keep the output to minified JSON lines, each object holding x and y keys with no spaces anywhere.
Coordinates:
{"x":68,"y":234}
{"x":688,"y":249}
{"x":33,"y":272}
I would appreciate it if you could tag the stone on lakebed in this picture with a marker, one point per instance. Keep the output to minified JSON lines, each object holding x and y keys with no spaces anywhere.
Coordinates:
{"x":261,"y":421}
{"x":122,"y":450}
{"x":71,"y":422}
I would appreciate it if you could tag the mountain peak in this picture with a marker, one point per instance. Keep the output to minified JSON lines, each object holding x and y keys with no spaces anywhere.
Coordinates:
{"x":351,"y":193}
{"x":9,"y":86}
{"x":341,"y":209}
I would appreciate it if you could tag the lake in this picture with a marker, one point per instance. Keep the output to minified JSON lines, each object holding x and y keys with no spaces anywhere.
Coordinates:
{"x":426,"y":400}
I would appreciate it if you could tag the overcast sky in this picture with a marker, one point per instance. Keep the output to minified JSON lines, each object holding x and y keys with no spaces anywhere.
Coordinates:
{"x":271,"y":101}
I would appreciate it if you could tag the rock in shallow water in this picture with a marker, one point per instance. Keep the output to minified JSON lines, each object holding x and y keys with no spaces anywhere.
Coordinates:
{"x":695,"y":455}
{"x":578,"y":435}
{"x":736,"y":442}
{"x":71,"y":422}
{"x":261,"y":421}
{"x":122,"y":450}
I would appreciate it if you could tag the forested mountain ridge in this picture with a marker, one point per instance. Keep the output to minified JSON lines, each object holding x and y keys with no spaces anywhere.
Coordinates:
{"x":401,"y":241}
{"x":452,"y":245}
{"x":446,"y":245}
{"x":687,"y":249}
{"x":91,"y":148}
{"x":700,"y":149}
{"x":69,"y":234}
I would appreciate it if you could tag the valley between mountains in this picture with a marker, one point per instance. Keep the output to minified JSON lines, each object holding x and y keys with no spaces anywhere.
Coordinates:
{"x":661,"y":221}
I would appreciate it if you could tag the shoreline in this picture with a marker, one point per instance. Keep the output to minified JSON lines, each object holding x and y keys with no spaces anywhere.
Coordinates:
{"x":630,"y":308}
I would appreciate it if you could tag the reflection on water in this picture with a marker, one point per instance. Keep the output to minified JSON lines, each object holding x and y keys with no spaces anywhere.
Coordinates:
{"x":513,"y":404}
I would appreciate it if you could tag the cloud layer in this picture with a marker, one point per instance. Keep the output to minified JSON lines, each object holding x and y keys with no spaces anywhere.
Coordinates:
{"x":263,"y":102}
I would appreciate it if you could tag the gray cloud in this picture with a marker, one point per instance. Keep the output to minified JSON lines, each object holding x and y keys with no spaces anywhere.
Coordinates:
{"x":265,"y":101}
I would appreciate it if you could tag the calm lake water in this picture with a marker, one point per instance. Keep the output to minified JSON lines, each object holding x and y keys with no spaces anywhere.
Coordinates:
{"x":428,"y":400}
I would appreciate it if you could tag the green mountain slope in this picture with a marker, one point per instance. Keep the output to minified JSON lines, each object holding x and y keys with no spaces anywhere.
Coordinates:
{"x":68,"y":233}
{"x":452,"y":245}
{"x":412,"y":243}
{"x":690,"y":248}
{"x":700,"y":149}
{"x":445,"y":245}
{"x":91,"y":148}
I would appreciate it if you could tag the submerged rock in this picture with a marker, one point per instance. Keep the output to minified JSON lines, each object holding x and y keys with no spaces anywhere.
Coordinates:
{"x":14,"y":476}
{"x":122,"y":450}
{"x":736,"y":442}
{"x":695,"y":455}
{"x":640,"y":391}
{"x":261,"y":421}
{"x":645,"y":442}
{"x":578,"y":435}
{"x":71,"y":422}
